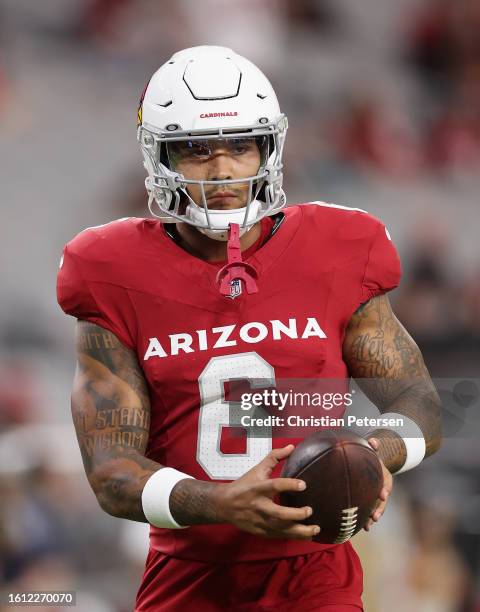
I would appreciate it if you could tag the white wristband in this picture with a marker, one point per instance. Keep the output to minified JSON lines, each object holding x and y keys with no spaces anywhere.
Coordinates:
{"x":412,"y":437}
{"x":156,"y":497}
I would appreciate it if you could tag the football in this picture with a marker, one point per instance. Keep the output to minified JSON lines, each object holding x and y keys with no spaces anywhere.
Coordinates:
{"x":344,"y":479}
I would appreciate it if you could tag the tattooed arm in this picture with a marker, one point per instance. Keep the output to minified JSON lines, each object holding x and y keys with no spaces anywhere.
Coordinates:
{"x":111,"y":413}
{"x":389,"y":368}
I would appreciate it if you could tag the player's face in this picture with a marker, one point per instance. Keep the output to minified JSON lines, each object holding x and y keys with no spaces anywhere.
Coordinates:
{"x":216,"y":160}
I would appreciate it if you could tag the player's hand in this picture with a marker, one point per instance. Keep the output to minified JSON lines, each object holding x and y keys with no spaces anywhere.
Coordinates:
{"x":249,"y":502}
{"x":384,"y":493}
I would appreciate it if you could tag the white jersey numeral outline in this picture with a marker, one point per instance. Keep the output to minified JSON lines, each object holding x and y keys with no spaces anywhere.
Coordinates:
{"x":216,"y":413}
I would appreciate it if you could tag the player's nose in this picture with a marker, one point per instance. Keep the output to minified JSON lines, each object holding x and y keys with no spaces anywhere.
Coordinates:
{"x":220,"y":168}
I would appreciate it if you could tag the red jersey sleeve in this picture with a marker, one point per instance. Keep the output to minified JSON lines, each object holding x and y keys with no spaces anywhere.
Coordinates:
{"x":382,"y":269}
{"x":101,"y":303}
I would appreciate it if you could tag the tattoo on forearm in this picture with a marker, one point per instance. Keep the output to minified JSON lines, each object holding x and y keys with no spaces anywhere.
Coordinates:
{"x":391,"y":448}
{"x":389,"y":368}
{"x":191,"y":502}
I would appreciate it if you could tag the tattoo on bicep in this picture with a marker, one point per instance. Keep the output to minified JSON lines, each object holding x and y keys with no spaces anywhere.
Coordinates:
{"x":379,"y":351}
{"x":360,"y":310}
{"x":111,"y":413}
{"x":90,"y":340}
{"x":389,"y":368}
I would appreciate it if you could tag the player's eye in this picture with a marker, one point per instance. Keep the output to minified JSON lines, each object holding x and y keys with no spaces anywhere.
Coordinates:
{"x":198,"y":149}
{"x":239,"y":146}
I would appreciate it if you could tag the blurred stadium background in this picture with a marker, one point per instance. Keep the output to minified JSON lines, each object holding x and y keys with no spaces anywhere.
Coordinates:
{"x":383,"y":100}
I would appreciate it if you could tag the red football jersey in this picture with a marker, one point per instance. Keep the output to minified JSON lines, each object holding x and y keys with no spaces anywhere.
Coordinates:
{"x":129,"y":277}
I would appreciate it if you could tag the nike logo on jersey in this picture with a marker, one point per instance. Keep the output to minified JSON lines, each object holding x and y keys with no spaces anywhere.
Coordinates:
{"x":229,"y":335}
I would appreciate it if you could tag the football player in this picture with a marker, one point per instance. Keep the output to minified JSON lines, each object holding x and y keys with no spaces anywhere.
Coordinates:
{"x":224,"y":283}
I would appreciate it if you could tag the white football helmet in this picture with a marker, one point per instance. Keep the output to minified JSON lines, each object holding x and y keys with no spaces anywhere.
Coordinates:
{"x":203,"y":94}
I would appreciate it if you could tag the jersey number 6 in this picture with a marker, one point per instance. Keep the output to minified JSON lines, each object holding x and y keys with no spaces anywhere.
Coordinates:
{"x":216,"y":413}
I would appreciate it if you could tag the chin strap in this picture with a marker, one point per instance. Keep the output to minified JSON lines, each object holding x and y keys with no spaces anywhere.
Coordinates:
{"x":235,"y":268}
